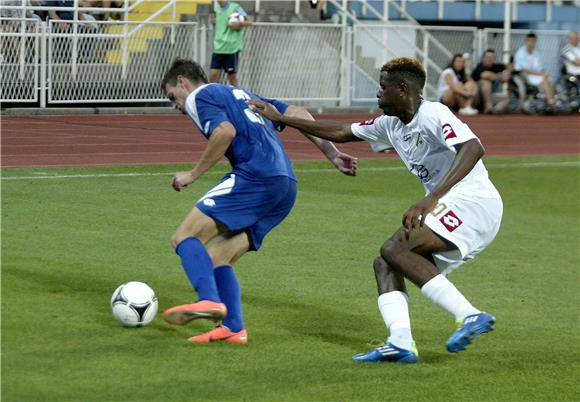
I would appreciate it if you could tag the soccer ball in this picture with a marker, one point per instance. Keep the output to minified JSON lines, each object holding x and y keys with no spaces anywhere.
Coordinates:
{"x":235,"y":18}
{"x":134,"y":304}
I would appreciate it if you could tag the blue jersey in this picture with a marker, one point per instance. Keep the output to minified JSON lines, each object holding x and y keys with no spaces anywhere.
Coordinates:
{"x":256,"y":150}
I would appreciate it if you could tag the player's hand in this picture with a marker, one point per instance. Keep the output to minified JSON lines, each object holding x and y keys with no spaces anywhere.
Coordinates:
{"x":416,"y":214}
{"x":345,"y":163}
{"x":265,"y":109}
{"x":181,"y":180}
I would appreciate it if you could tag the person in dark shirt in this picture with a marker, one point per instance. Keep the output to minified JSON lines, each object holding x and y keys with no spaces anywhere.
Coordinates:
{"x":489,"y":76}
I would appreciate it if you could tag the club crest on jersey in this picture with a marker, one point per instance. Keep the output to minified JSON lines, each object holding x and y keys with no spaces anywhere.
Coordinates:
{"x":367,"y":122}
{"x":448,"y":132}
{"x":450,"y":221}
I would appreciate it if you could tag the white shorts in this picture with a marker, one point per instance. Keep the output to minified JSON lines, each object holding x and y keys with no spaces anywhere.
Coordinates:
{"x":535,"y":80}
{"x":469,"y":221}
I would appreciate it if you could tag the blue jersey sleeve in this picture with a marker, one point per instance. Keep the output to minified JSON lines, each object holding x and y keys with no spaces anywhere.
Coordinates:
{"x":207,"y":112}
{"x":281,"y":106}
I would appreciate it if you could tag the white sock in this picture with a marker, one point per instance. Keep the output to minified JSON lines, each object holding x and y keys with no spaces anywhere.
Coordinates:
{"x":443,"y":293}
{"x":394,"y":307}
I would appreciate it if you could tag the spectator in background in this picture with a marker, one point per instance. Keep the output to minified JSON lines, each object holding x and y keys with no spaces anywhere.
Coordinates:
{"x":571,"y":56}
{"x":228,"y":40}
{"x":489,"y":77}
{"x":69,"y":15}
{"x":106,"y":16}
{"x":527,"y":60}
{"x":456,"y":89}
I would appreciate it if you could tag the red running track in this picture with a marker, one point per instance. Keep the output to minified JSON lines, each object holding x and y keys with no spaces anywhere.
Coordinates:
{"x":39,"y":141}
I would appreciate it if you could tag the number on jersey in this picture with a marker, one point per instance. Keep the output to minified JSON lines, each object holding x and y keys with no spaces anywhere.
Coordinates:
{"x":240,"y":94}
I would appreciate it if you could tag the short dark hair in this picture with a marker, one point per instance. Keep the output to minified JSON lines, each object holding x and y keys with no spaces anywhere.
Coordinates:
{"x":531,"y":35}
{"x":407,"y":69}
{"x":489,"y":50}
{"x":188,"y":68}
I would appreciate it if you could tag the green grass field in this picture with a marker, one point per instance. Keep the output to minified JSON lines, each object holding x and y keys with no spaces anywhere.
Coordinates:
{"x":309,"y":294}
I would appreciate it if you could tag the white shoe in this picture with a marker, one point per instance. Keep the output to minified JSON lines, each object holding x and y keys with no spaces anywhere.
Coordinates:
{"x":468,"y":111}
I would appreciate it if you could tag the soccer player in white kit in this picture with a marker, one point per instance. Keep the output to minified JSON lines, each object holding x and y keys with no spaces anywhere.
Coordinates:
{"x":459,"y":216}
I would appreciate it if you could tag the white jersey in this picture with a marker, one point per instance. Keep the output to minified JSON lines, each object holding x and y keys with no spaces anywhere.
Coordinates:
{"x":426,"y":146}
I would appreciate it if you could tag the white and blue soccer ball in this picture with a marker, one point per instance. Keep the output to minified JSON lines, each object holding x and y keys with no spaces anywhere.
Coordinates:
{"x":134,"y":304}
{"x":235,"y":18}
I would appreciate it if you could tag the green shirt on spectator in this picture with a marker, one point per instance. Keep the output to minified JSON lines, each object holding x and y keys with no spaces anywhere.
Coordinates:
{"x":227,"y":40}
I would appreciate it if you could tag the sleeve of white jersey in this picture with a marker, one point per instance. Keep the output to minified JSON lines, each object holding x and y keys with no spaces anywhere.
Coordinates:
{"x":452,"y":130}
{"x":375,"y":132}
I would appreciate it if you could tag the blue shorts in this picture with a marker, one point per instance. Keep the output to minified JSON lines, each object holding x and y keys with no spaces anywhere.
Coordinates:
{"x":226,"y":62}
{"x":252,"y":206}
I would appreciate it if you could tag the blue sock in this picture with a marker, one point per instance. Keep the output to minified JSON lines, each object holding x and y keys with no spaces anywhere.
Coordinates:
{"x":198,"y":268}
{"x":231,"y":295}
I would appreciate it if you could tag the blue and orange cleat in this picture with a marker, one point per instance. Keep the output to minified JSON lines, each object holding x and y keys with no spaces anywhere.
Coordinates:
{"x":389,"y":353}
{"x":470,"y":328}
{"x":221,"y":334}
{"x":181,"y":315}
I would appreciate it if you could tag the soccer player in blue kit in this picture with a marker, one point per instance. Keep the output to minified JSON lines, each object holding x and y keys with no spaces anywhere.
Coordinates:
{"x":235,"y":215}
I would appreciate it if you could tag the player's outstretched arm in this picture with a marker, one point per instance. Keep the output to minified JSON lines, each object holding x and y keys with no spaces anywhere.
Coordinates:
{"x":469,"y":153}
{"x":335,"y":131}
{"x":219,"y":141}
{"x":345,"y":163}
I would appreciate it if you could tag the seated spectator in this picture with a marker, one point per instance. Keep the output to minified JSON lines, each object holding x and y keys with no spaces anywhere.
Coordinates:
{"x":490,"y":76}
{"x":571,"y":56}
{"x":106,"y":16}
{"x":108,"y":4}
{"x":69,"y":15}
{"x":527,"y":60}
{"x":456,"y":89}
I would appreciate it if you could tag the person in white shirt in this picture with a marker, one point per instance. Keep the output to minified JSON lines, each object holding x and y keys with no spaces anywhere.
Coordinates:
{"x":571,"y":55}
{"x":456,"y":88}
{"x":527,"y":59}
{"x":458,"y":217}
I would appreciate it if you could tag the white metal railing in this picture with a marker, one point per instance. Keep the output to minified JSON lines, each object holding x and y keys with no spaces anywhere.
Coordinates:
{"x":515,"y":5}
{"x":20,"y":45}
{"x":314,"y":64}
{"x":106,"y":69}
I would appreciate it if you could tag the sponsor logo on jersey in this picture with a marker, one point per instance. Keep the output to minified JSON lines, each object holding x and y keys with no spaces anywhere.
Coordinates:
{"x":448,"y":132}
{"x":208,"y":202}
{"x":367,"y":122}
{"x":450,"y":221}
{"x":421,"y":172}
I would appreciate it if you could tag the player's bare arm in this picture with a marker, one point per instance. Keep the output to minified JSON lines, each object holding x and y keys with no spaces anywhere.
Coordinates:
{"x":469,"y":153}
{"x":334,"y":131}
{"x":219,"y":141}
{"x":344,"y":163}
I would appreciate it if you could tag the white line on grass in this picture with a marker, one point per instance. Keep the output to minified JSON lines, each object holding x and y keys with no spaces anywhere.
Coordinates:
{"x":491,"y":166}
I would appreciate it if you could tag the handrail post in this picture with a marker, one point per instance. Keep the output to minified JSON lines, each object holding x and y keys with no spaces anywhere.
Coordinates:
{"x":125,"y":39}
{"x":43,"y":44}
{"x":23,"y":40}
{"x":202,"y":46}
{"x":75,"y":51}
{"x":507,"y":24}
{"x":173,"y":17}
{"x":425,"y":59}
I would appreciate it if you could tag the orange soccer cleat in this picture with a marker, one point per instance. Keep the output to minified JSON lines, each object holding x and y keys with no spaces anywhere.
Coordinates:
{"x":181,"y":315}
{"x":223,"y":334}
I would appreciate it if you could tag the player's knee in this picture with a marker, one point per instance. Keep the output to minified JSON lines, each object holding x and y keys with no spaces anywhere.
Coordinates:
{"x":178,"y":237}
{"x":390,"y":250}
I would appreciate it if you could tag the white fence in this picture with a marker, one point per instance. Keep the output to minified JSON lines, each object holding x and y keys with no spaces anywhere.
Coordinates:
{"x":311,"y":64}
